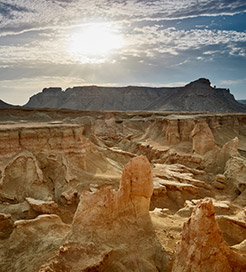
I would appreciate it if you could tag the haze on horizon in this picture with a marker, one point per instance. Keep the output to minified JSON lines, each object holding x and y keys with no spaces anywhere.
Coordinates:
{"x":118,"y":43}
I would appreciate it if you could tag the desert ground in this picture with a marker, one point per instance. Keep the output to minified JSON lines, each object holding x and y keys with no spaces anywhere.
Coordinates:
{"x":122,"y":191}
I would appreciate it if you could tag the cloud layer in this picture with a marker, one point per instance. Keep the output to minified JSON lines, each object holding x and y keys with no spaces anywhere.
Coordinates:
{"x":165,"y":41}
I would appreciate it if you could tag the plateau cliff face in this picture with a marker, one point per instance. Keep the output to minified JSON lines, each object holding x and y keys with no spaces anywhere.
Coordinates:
{"x":196,"y":96}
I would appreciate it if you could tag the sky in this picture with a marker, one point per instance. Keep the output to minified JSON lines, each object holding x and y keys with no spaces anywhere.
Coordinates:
{"x":66,"y":43}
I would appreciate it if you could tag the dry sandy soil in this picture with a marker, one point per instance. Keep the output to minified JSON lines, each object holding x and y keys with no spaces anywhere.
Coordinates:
{"x":70,"y":200}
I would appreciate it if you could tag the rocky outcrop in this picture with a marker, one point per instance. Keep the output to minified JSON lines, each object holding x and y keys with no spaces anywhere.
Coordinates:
{"x":174,"y":184}
{"x":39,"y":160}
{"x":31,"y":243}
{"x":42,"y":207}
{"x":202,"y":138}
{"x":57,"y":173}
{"x":233,"y":228}
{"x":197,"y":96}
{"x":235,"y":172}
{"x":112,"y":230}
{"x":220,"y":207}
{"x":202,"y":247}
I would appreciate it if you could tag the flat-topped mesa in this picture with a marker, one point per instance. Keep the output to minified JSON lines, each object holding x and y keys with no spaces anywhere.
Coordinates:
{"x":202,"y":247}
{"x":197,"y":96}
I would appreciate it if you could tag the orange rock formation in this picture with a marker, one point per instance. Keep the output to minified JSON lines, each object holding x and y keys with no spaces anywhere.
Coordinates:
{"x":112,"y":230}
{"x":202,"y":247}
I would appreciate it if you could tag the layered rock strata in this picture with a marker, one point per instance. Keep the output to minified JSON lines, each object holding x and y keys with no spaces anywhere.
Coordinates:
{"x":111,"y":230}
{"x":39,"y":160}
{"x":195,"y":96}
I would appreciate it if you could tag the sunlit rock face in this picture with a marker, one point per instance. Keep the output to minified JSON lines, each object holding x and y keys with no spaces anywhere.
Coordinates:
{"x":202,"y":138}
{"x":202,"y":247}
{"x":106,"y":206}
{"x":76,"y":188}
{"x":112,"y":229}
{"x":39,"y":160}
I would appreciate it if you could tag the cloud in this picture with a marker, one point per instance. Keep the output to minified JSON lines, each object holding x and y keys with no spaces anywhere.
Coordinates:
{"x":148,"y":43}
{"x":20,"y":15}
{"x":151,"y":40}
{"x":233,"y":82}
{"x":163,"y":39}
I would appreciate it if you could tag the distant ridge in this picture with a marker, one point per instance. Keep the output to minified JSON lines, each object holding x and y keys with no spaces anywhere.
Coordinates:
{"x":4,"y":105}
{"x":197,"y":96}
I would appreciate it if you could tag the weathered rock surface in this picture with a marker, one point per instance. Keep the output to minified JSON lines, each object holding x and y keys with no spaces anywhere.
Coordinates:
{"x":220,"y":207}
{"x":112,"y":229}
{"x":235,"y":172}
{"x":42,"y":207}
{"x":6,"y":225}
{"x":48,"y":157}
{"x":40,"y":160}
{"x":202,"y":247}
{"x":202,"y":138}
{"x":31,"y":243}
{"x":233,"y":229}
{"x":195,"y":96}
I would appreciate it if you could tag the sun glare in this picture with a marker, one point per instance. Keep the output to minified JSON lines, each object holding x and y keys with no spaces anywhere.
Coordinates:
{"x":94,"y":42}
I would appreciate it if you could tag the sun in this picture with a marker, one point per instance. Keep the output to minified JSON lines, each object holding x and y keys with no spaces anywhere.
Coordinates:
{"x":94,"y":42}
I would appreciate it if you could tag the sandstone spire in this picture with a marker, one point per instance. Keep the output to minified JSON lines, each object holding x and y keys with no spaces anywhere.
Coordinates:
{"x":202,"y":247}
{"x":112,"y":230}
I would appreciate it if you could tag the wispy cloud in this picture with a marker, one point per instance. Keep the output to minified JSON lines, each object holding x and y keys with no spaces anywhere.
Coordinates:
{"x":18,"y":15}
{"x":161,"y":38}
{"x":233,"y":82}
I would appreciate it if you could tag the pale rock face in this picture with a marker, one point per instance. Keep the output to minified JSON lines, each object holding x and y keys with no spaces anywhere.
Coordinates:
{"x":31,"y":243}
{"x":69,"y":197}
{"x":42,"y":207}
{"x":220,"y":207}
{"x":202,"y":247}
{"x":235,"y":172}
{"x":172,"y":132}
{"x":23,"y":177}
{"x":202,"y":138}
{"x":40,"y":159}
{"x":233,"y":228}
{"x":131,"y":199}
{"x":228,"y":150}
{"x":219,"y":182}
{"x":116,"y":226}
